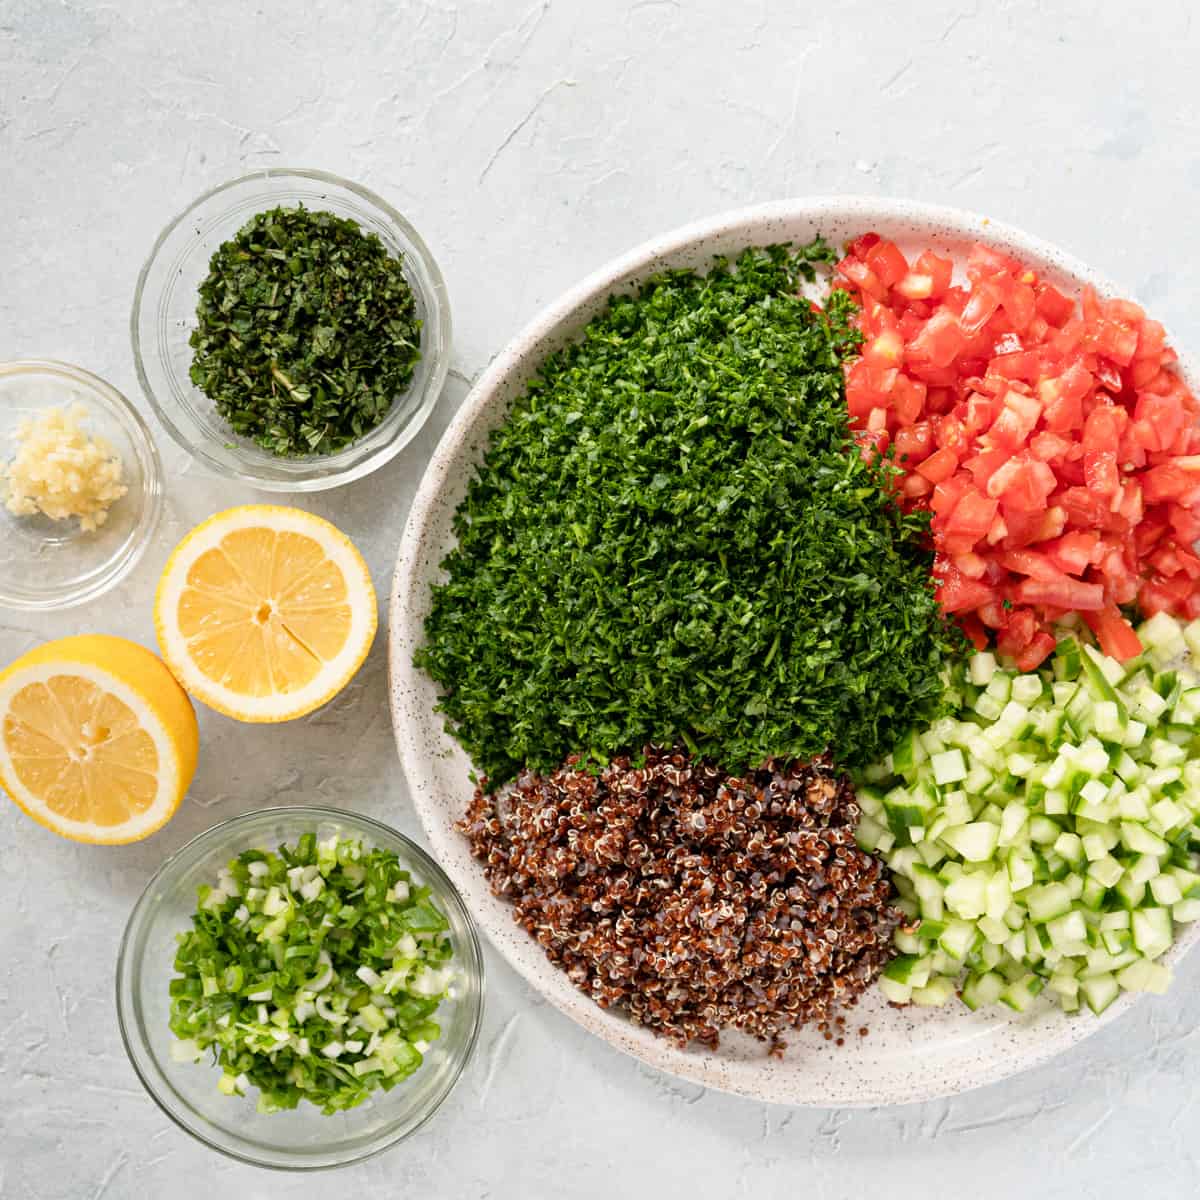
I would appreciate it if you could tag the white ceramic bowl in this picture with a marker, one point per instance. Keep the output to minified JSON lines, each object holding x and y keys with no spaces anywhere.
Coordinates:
{"x":909,"y":1054}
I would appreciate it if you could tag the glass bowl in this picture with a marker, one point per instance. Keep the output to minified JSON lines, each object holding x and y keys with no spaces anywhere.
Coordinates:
{"x":164,"y":315}
{"x":48,"y":564}
{"x":299,"y":1139}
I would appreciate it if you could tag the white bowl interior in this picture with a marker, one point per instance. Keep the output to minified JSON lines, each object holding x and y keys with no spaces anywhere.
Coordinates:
{"x":909,"y":1054}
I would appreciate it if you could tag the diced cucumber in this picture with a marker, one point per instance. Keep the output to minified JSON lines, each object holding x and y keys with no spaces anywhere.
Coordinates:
{"x":1099,"y":991}
{"x":894,"y":991}
{"x":1144,"y":976}
{"x":1047,"y":901}
{"x":983,"y":989}
{"x":1152,"y":931}
{"x":930,"y":891}
{"x":958,"y":938}
{"x":1047,"y":832}
{"x":1020,"y":993}
{"x":936,"y":992}
{"x":908,"y":754}
{"x":967,"y":896}
{"x":948,"y":767}
{"x":981,"y":667}
{"x":974,"y":842}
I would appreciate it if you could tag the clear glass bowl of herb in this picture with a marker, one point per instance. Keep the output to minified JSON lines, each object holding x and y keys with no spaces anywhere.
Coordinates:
{"x":291,"y":330}
{"x":203,"y":1097}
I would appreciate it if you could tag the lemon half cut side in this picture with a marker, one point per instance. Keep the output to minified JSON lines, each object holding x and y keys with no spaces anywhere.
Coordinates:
{"x":98,"y":742}
{"x":265,"y":613}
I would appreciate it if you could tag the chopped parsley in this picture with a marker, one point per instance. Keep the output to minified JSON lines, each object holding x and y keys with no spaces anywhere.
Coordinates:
{"x":673,"y":539}
{"x":307,"y":331}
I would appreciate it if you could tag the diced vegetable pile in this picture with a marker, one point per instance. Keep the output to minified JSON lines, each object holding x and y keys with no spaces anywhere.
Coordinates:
{"x":1055,"y":445}
{"x":670,"y":549}
{"x":311,"y":974}
{"x":1045,"y":836}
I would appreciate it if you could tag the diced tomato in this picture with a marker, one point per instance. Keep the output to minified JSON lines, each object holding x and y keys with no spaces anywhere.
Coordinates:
{"x":956,"y":593}
{"x":1019,"y":303}
{"x":972,"y":517}
{"x":1163,"y":595}
{"x":1114,"y":633}
{"x":1052,"y":439}
{"x":983,"y":261}
{"x":1158,"y":421}
{"x":1048,"y":446}
{"x":872,"y":443}
{"x":1152,"y":340}
{"x":1017,"y":420}
{"x":1023,"y":484}
{"x":885,"y":349}
{"x":1065,"y":593}
{"x":862,"y":277}
{"x":1039,"y":649}
{"x":1170,"y":482}
{"x":915,"y":286}
{"x":1053,"y":305}
{"x":888,"y":263}
{"x":908,"y":399}
{"x":1032,"y":563}
{"x":971,"y":565}
{"x":940,"y":465}
{"x":940,"y":340}
{"x":913,"y":487}
{"x":1084,"y":509}
{"x":1020,"y":627}
{"x":939,"y":270}
{"x":1073,"y":552}
{"x":1018,"y":364}
{"x":860,"y":245}
{"x":1100,"y":473}
{"x":1115,"y":342}
{"x":1103,"y":428}
{"x":913,"y":444}
{"x":973,"y":627}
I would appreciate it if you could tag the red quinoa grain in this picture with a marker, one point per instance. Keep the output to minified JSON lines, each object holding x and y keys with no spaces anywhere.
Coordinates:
{"x":695,"y":900}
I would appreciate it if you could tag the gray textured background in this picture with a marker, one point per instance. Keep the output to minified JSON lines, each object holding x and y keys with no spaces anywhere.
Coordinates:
{"x":529,"y":142}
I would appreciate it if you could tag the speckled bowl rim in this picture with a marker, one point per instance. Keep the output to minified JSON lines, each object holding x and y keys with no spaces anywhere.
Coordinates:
{"x":423,"y":744}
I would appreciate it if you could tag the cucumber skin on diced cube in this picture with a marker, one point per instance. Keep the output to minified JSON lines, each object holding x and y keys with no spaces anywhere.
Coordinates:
{"x":1099,"y":991}
{"x":901,"y":967}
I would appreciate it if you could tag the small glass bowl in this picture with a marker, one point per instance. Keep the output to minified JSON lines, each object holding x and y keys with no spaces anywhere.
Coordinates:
{"x":48,"y":564}
{"x":299,"y":1139}
{"x":164,"y":315}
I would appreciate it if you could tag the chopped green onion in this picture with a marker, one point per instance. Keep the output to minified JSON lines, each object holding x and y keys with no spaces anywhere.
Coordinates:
{"x":311,"y":974}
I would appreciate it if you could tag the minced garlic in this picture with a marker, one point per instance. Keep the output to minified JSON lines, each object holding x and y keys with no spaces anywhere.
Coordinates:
{"x":61,"y":471}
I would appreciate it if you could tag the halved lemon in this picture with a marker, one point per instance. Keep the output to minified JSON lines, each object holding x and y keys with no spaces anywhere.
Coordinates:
{"x":265,"y":613}
{"x":97,"y":740}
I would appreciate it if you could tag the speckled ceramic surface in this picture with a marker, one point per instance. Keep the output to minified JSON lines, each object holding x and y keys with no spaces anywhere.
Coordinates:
{"x":909,"y":1055}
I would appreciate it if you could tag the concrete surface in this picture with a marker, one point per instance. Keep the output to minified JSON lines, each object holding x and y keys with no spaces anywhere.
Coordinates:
{"x":530,"y":141}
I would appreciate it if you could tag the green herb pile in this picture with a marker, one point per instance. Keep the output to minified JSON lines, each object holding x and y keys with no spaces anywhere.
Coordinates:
{"x":312,"y":974}
{"x":307,"y":332}
{"x":673,"y":538}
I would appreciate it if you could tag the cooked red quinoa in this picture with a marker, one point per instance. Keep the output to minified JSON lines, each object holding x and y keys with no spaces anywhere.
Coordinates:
{"x":695,"y":900}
